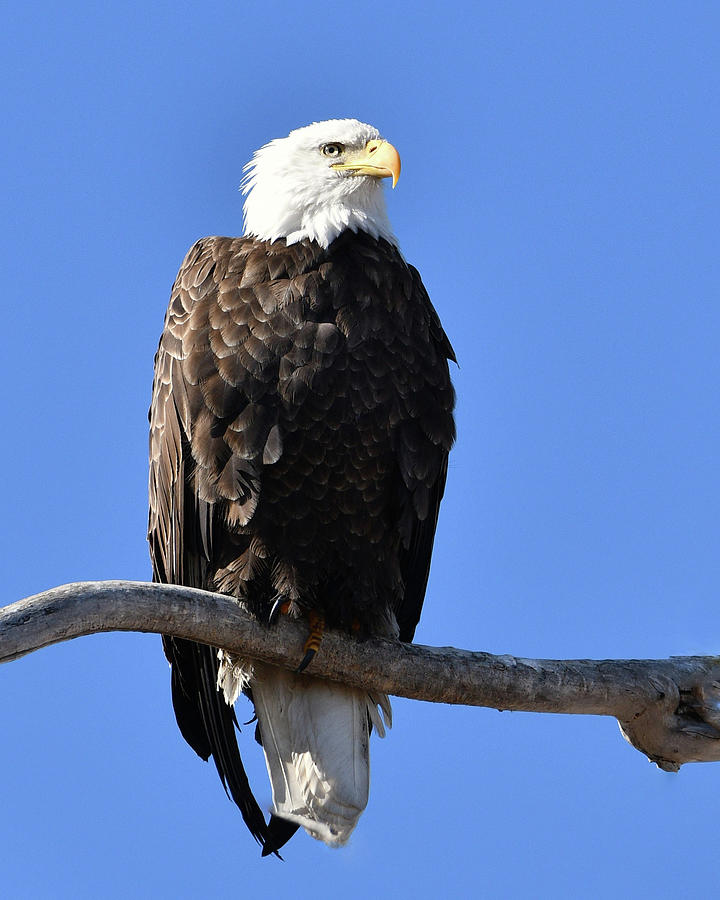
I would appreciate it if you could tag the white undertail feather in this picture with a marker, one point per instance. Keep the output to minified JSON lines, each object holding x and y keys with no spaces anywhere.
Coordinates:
{"x":234,"y":675}
{"x":316,"y":737}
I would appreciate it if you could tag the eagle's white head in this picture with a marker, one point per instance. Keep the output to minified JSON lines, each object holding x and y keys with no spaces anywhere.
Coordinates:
{"x":319,"y":181}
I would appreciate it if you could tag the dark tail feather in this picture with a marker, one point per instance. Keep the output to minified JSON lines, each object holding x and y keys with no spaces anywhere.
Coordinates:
{"x":208,"y":724}
{"x":279,"y":832}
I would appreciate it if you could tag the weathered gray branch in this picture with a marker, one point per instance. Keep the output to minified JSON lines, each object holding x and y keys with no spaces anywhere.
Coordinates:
{"x":668,"y":709}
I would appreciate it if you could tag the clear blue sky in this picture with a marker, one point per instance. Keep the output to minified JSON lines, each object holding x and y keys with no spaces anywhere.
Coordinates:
{"x":560,"y":196}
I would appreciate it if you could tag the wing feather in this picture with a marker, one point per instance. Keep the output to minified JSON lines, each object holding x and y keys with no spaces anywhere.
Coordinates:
{"x":424,"y":442}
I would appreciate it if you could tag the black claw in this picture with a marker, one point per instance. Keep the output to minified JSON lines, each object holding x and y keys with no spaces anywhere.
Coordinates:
{"x":275,"y":611}
{"x":306,"y":660}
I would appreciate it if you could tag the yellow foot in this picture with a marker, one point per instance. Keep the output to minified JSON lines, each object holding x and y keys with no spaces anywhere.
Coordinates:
{"x":317,"y":626}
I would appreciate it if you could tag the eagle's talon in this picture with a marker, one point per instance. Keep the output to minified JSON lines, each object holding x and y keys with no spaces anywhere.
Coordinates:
{"x":312,"y":644}
{"x":275,"y":612}
{"x":279,"y":607}
{"x":306,"y":660}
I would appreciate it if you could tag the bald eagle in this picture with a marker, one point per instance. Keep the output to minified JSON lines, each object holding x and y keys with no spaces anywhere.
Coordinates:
{"x":301,"y":419}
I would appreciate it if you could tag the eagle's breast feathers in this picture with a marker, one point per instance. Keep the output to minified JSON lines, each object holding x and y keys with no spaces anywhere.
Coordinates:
{"x":307,"y":400}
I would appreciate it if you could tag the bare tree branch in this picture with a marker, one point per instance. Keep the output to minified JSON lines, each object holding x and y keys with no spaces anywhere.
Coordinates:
{"x":668,"y":709}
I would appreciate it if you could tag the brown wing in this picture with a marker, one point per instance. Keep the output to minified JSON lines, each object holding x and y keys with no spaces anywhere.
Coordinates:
{"x":192,"y":474}
{"x":424,"y":441}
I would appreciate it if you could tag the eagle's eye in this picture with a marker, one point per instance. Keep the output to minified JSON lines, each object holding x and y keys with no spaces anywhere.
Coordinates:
{"x":332,"y":149}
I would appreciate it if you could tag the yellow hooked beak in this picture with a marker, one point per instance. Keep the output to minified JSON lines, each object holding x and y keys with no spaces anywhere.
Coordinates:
{"x":377,"y":158}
